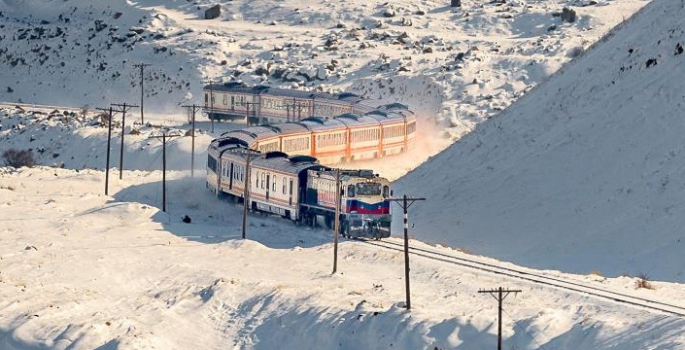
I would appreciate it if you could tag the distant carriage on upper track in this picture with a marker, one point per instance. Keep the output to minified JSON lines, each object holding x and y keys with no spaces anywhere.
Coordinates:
{"x":332,"y":128}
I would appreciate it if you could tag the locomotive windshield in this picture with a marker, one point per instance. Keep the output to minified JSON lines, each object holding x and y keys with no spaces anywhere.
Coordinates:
{"x":368,"y":189}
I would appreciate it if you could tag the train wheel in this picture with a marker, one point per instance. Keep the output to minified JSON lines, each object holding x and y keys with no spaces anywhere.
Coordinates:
{"x":329,"y":221}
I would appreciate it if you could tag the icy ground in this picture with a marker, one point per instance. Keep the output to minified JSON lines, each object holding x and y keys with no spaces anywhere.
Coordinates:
{"x":81,"y":270}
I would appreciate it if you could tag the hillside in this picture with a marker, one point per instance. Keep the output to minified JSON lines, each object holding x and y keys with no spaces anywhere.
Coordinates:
{"x":584,"y":172}
{"x":454,"y":67}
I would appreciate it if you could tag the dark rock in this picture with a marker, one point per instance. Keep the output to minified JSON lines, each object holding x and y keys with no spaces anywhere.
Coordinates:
{"x":137,"y":30}
{"x":213,"y":12}
{"x":678,"y":49}
{"x":10,"y":90}
{"x":187,"y":219}
{"x":389,"y":13}
{"x":117,"y":15}
{"x":651,"y":62}
{"x":428,"y":49}
{"x":568,"y":15}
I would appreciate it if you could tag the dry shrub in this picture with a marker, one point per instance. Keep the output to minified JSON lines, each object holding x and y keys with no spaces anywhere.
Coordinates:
{"x":643,"y":282}
{"x":18,"y":159}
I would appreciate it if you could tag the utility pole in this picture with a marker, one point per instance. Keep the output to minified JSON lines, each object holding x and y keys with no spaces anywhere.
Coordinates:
{"x":193,"y":108}
{"x":211,"y":103}
{"x":500,"y":294}
{"x":142,"y":89}
{"x":124,"y":108}
{"x":109,"y":140}
{"x":294,"y":105}
{"x":246,"y":191}
{"x":337,"y":220}
{"x":406,"y":202}
{"x":164,"y":141}
{"x":247,"y":113}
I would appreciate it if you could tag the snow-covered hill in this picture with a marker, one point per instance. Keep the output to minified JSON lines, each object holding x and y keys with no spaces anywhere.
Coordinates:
{"x":456,"y":67}
{"x":582,"y":174}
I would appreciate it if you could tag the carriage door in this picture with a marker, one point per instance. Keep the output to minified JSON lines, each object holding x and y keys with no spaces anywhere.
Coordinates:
{"x":230,"y":178}
{"x":268,"y":186}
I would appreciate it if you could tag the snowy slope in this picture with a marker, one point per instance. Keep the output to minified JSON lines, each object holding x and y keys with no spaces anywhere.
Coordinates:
{"x":80,"y":270}
{"x":455,"y":67}
{"x":582,"y":174}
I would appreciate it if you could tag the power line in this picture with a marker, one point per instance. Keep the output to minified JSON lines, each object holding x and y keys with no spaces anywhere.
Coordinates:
{"x":501,"y":295}
{"x":406,"y":202}
{"x":124,"y":108}
{"x":142,"y":89}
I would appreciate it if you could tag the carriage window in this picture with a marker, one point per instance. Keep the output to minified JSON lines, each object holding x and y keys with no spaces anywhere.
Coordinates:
{"x":350,"y":191}
{"x":225,"y":99}
{"x":273,"y":184}
{"x":263,"y":179}
{"x":257,"y":178}
{"x":386,"y":191}
{"x":284,"y":180}
{"x":291,"y":187}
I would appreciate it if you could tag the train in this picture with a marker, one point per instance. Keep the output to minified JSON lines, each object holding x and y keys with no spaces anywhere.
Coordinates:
{"x":299,"y":188}
{"x":265,"y":104}
{"x":333,"y":128}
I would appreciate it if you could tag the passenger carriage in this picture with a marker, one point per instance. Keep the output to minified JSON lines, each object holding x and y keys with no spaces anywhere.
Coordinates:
{"x":343,"y":127}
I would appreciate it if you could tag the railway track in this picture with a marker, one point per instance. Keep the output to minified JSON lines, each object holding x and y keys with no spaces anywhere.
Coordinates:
{"x":560,"y":283}
{"x":38,"y":107}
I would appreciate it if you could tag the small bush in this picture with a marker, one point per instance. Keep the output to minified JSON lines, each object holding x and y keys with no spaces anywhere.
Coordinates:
{"x":18,"y":159}
{"x":643,"y":282}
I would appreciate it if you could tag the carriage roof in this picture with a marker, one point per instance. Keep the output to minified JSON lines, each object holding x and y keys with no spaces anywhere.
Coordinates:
{"x":279,"y":161}
{"x":346,"y":97}
{"x":353,"y":120}
{"x":321,"y":124}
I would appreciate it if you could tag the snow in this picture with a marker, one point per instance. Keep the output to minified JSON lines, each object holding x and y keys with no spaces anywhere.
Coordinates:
{"x":82,"y":270}
{"x":573,"y":177}
{"x":581,"y":174}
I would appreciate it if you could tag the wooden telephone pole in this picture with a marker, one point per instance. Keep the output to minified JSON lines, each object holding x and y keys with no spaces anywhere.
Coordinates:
{"x":336,"y":227}
{"x":500,"y":294}
{"x":406,"y":202}
{"x":164,"y":138}
{"x":247,"y":113}
{"x":142,"y":89}
{"x":109,"y":141}
{"x":192,"y":108}
{"x":124,"y":108}
{"x":246,"y":190}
